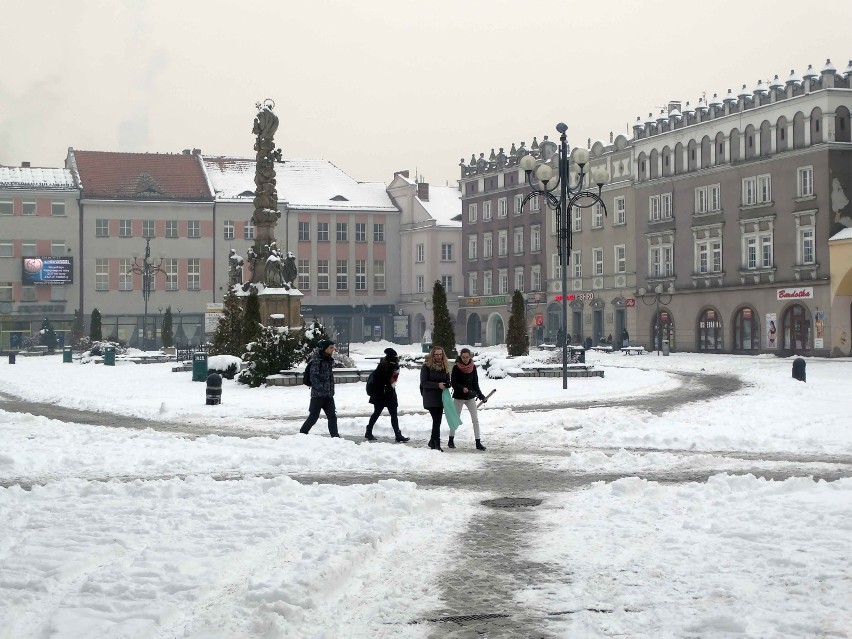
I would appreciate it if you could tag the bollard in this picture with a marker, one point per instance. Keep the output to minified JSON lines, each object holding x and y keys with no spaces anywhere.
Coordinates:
{"x":799,"y":369}
{"x":12,"y":358}
{"x":214,"y":389}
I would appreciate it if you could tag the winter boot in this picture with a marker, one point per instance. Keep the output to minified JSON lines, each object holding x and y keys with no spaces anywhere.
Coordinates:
{"x":400,"y":438}
{"x":435,"y":445}
{"x":369,"y":434}
{"x":450,"y":443}
{"x":479,"y":445}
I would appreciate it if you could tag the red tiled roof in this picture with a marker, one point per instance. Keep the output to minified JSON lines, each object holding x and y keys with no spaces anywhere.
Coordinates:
{"x":141,"y":176}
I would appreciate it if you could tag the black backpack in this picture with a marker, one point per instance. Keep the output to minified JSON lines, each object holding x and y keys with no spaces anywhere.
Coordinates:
{"x":371,"y":383}
{"x":306,"y":378}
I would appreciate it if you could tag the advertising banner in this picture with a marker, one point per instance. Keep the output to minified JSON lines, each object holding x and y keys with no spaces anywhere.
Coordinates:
{"x":400,"y":326}
{"x":47,"y":270}
{"x":819,"y":329}
{"x":771,"y":329}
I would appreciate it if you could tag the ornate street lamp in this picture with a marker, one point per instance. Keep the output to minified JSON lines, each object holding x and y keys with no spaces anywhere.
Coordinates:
{"x":568,"y":199}
{"x":653,"y":298}
{"x":148,"y":270}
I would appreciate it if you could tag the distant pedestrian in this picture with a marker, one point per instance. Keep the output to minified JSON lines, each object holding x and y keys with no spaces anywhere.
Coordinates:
{"x":322,"y":388}
{"x":625,"y":338}
{"x":434,"y":378}
{"x":383,"y":394}
{"x":466,"y":392}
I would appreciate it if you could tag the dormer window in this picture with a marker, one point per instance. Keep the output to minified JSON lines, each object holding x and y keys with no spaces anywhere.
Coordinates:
{"x":339,"y":198}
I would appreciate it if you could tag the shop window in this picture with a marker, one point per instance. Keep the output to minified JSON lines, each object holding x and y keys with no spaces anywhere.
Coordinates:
{"x":709,"y":331}
{"x":746,"y":330}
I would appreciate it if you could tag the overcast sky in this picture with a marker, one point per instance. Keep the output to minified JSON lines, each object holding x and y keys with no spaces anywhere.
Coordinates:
{"x":380,"y":85}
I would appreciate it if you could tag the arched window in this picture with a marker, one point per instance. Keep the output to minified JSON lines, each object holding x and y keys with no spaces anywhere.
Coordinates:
{"x":765,"y":139}
{"x":842,"y":129}
{"x":746,"y":330}
{"x":781,"y":134}
{"x":816,"y":130}
{"x":709,"y":331}
{"x":706,"y":151}
{"x":796,"y":329}
{"x":664,"y":329}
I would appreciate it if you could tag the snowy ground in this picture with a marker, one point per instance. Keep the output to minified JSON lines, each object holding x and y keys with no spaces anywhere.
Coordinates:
{"x":146,"y":533}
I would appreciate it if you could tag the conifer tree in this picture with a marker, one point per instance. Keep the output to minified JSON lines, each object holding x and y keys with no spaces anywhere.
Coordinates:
{"x":443,"y":332}
{"x":517,"y":339}
{"x":77,"y":329}
{"x":251,"y":319}
{"x":228,"y":338}
{"x":275,"y":348}
{"x":312,"y":334}
{"x":95,"y":330}
{"x":167,"y":334}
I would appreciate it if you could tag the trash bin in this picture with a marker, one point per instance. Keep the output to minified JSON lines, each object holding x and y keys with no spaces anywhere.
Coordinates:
{"x":214,"y":389}
{"x":67,"y":355}
{"x":426,"y":347}
{"x":199,"y":367}
{"x":12,"y":358}
{"x":109,"y":356}
{"x":665,"y":347}
{"x":799,"y":369}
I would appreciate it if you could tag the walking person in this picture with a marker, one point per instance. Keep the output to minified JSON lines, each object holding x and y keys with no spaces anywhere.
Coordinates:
{"x":434,"y":378}
{"x":465,"y":382}
{"x":321,"y":374}
{"x":383,"y":394}
{"x":625,"y":338}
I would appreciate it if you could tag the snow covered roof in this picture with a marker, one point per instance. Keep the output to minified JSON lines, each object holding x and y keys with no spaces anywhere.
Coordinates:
{"x":845,"y":234}
{"x":444,"y":205}
{"x":43,"y":179}
{"x":303,"y":184}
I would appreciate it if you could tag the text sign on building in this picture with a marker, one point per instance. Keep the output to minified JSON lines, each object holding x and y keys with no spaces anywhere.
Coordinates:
{"x":798,"y":293}
{"x":46,"y":270}
{"x":583,"y":297}
{"x":213,"y":313}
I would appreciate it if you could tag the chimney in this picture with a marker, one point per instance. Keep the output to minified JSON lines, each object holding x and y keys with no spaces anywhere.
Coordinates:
{"x":402,"y":173}
{"x":196,"y":151}
{"x":186,"y":152}
{"x":674,"y":105}
{"x":25,"y":165}
{"x":423,"y":191}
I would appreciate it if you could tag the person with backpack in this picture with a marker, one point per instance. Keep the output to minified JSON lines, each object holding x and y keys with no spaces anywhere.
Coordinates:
{"x":319,"y":375}
{"x":466,"y":391}
{"x":434,"y":378}
{"x":381,"y":387}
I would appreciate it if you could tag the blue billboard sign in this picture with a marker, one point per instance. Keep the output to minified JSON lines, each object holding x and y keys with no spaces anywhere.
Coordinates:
{"x":47,"y":270}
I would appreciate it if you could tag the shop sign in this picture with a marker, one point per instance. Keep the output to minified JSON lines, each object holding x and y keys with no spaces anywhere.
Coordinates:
{"x":582,"y":297}
{"x":664,"y":316}
{"x":630,"y":302}
{"x":799,"y":293}
{"x":746,"y":313}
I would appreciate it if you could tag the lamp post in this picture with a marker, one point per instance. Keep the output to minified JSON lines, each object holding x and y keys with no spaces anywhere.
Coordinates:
{"x":568,"y":198}
{"x":180,"y":324}
{"x":653,"y":298}
{"x":147,"y":269}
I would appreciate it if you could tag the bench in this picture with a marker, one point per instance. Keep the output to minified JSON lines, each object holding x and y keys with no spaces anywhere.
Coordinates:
{"x":633,"y":350}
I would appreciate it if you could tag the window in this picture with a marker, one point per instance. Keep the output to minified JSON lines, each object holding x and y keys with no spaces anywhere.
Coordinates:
{"x":502,"y":243}
{"x":709,"y":331}
{"x":171,"y":228}
{"x":322,"y":275}
{"x":360,"y":275}
{"x":806,"y":245}
{"x":360,"y":231}
{"x":125,"y":274}
{"x":5,"y":291}
{"x":758,"y":250}
{"x":486,"y":210}
{"x":597,"y":216}
{"x":757,"y":190}
{"x":486,"y":283}
{"x":147,"y":228}
{"x":28,"y":294}
{"x":28,"y":248}
{"x":342,"y":232}
{"x":577,"y":263}
{"x":170,"y":265}
{"x":447,"y":283}
{"x":57,"y":293}
{"x":57,"y":208}
{"x":535,"y":203}
{"x":101,"y":274}
{"x":420,"y":253}
{"x":446,"y":252}
{"x":322,"y":231}
{"x":304,"y":268}
{"x":666,"y":205}
{"x":193,"y":274}
{"x":576,"y":220}
{"x":654,"y":208}
{"x":342,"y":275}
{"x":518,"y":235}
{"x":101,"y":228}
{"x":125,"y":228}
{"x":193,"y":228}
{"x":556,"y":264}
{"x":503,"y":281}
{"x":420,"y":284}
{"x":660,"y":261}
{"x":29,"y":207}
{"x":304,"y":230}
{"x":7,"y":248}
{"x":519,"y":278}
{"x":248,"y":231}
{"x":620,"y":258}
{"x":378,"y":232}
{"x":57,"y":248}
{"x":471,"y":213}
{"x":535,"y":278}
{"x":701,"y":203}
{"x":518,"y":201}
{"x":502,"y":207}
{"x":746,"y":330}
{"x":378,"y":275}
{"x":620,"y":211}
{"x":598,"y":260}
{"x":806,"y":181}
{"x":535,"y":238}
{"x":487,"y":246}
{"x":228,"y":227}
{"x":708,"y":256}
{"x":471,"y":283}
{"x":6,"y":207}
{"x":471,"y":247}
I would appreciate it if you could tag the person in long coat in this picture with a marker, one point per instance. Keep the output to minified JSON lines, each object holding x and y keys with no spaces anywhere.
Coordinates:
{"x":434,"y":378}
{"x":465,"y":382}
{"x":384,"y":394}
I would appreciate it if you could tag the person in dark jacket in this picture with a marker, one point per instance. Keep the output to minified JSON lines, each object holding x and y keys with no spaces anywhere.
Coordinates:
{"x":384,"y":394}
{"x":466,"y":392}
{"x":434,"y":378}
{"x":322,"y":388}
{"x":625,"y":338}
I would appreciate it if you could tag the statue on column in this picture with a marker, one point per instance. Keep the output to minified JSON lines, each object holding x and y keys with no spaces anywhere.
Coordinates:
{"x":235,"y":268}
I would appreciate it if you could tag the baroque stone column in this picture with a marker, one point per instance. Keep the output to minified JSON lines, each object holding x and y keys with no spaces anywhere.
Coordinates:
{"x":266,"y":213}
